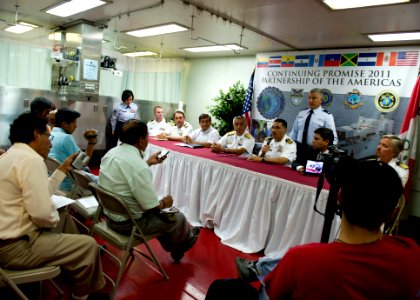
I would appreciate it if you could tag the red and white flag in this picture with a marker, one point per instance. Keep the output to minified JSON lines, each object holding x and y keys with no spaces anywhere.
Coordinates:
{"x":409,"y":128}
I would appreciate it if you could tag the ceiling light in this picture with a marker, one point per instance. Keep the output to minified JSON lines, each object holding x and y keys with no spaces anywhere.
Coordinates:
{"x":73,"y":7}
{"x":228,"y":47}
{"x":140,"y":53}
{"x":401,"y":36}
{"x":340,"y":4}
{"x":157,"y":30}
{"x":28,"y":24}
{"x":18,"y":28}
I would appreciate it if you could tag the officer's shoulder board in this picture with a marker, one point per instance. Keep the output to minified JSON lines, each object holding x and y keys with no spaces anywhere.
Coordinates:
{"x":231,"y":133}
{"x":268,"y":139}
{"x":151,"y":121}
{"x":326,"y":111}
{"x":402,"y":166}
{"x":185,"y":125}
{"x":289,"y":141}
{"x":248,"y":135}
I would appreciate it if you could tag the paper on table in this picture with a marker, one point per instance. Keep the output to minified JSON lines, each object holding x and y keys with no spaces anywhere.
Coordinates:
{"x":189,"y":145}
{"x":88,"y":202}
{"x":61,"y":201}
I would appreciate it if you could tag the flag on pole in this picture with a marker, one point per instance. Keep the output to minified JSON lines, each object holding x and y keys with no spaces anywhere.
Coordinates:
{"x":408,"y":130}
{"x":246,"y":109}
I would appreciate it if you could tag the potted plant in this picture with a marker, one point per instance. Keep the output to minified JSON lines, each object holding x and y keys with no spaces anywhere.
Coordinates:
{"x":227,"y":106}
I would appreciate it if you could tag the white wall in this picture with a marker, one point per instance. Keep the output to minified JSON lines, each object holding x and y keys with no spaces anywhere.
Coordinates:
{"x":204,"y":77}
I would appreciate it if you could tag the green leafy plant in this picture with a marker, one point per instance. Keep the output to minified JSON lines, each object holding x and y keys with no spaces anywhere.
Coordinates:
{"x":227,"y":106}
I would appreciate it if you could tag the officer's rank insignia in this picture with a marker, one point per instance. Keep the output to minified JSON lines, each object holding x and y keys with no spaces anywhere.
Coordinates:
{"x":353,"y":100}
{"x":387,"y":101}
{"x":296,"y":96}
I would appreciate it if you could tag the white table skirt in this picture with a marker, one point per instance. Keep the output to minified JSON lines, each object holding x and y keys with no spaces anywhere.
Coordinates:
{"x":249,"y":211}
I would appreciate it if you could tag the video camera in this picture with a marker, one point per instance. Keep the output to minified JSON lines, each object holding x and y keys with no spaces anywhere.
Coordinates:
{"x":331,"y":160}
{"x":335,"y":164}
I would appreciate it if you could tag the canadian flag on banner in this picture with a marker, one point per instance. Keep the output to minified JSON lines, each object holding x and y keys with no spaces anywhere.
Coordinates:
{"x":409,"y":129}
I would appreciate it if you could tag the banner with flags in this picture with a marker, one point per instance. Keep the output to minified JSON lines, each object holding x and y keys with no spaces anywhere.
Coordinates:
{"x":246,"y":110}
{"x":409,"y":128}
{"x":367,"y":91}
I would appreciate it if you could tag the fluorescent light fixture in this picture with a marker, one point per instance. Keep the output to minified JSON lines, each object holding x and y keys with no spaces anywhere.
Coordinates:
{"x":18,"y":28}
{"x":228,"y":47}
{"x":341,"y":4}
{"x":157,"y":30}
{"x":73,"y":7}
{"x":389,"y":37}
{"x":140,"y":53}
{"x":28,"y":24}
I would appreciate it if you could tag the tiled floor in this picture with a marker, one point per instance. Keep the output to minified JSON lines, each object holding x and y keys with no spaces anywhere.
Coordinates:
{"x":206,"y":261}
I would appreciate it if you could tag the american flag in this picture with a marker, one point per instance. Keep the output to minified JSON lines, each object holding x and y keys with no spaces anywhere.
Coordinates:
{"x":407,"y":58}
{"x":246,"y":109}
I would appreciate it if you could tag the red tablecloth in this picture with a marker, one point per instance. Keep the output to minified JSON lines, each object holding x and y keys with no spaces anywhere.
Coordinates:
{"x":241,"y":162}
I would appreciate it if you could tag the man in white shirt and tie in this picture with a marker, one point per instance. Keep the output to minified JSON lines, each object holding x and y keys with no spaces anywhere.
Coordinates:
{"x":310,"y":119}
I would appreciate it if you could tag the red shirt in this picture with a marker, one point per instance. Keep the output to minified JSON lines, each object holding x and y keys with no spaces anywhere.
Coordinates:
{"x":386,"y":269}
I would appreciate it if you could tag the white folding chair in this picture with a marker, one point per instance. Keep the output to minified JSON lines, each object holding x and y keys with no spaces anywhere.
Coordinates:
{"x":115,"y":205}
{"x":82,"y":189}
{"x":13,"y":278}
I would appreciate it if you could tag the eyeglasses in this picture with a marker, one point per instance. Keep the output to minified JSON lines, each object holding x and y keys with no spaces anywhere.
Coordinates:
{"x":50,"y":137}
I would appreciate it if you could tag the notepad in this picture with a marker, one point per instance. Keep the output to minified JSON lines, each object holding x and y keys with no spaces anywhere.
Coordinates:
{"x":61,"y":201}
{"x":189,"y":145}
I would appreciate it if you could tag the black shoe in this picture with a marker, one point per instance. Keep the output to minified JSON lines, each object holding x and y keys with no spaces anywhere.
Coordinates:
{"x":98,"y":296}
{"x":195,"y":230}
{"x":178,"y":254}
{"x":247,"y":269}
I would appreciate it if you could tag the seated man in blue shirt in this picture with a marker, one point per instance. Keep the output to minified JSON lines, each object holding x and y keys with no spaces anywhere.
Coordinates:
{"x":63,"y":143}
{"x":126,"y":174}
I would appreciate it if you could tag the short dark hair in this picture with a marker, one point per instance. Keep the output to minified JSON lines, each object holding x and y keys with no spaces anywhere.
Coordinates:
{"x":132,"y":131}
{"x":281,"y":121}
{"x":204,"y":116}
{"x":178,"y":111}
{"x":23,"y":127}
{"x":126,"y":94}
{"x":39,"y":104}
{"x":65,"y":115}
{"x":370,"y":193}
{"x":326,"y":134}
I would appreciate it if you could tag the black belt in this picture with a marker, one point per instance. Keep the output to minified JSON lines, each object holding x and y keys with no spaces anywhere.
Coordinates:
{"x":4,"y":243}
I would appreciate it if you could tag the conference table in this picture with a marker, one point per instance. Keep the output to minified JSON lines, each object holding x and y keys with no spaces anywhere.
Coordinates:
{"x":251,"y":206}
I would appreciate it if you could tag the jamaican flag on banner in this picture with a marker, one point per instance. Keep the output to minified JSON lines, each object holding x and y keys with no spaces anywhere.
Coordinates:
{"x":349,"y":59}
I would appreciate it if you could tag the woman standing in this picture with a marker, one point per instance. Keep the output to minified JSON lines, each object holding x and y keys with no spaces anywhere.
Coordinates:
{"x":125,"y":111}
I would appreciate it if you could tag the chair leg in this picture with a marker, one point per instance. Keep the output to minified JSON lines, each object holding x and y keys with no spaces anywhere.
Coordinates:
{"x":154,"y":259}
{"x":120,"y":272}
{"x":13,"y":286}
{"x":57,"y":288}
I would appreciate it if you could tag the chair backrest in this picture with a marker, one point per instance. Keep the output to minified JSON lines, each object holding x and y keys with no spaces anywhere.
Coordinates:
{"x":52,"y":164}
{"x":82,"y":182}
{"x":109,"y":201}
{"x":393,"y":223}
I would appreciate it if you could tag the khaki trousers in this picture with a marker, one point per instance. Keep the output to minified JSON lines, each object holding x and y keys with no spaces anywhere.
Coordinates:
{"x":77,"y":255}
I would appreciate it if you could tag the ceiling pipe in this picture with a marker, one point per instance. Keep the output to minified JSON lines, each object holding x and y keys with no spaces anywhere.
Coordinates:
{"x":225,"y":17}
